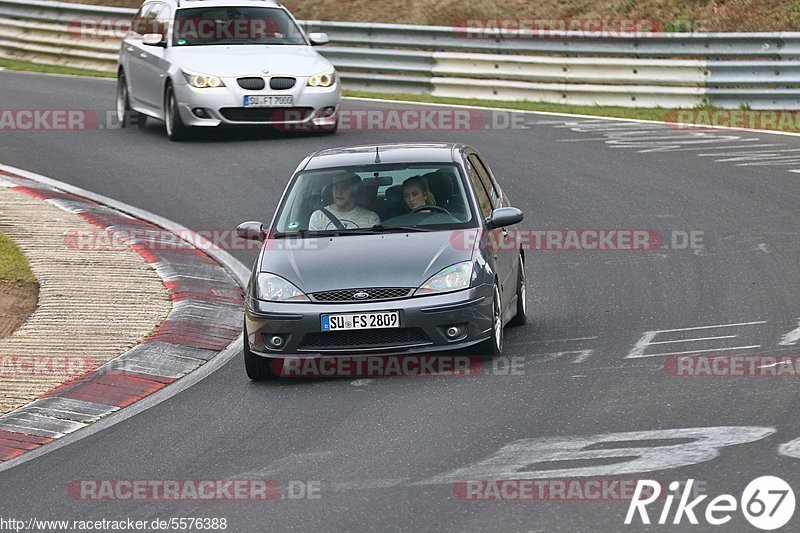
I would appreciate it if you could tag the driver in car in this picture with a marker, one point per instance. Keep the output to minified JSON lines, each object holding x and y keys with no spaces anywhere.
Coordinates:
{"x":343,"y":208}
{"x":417,"y":193}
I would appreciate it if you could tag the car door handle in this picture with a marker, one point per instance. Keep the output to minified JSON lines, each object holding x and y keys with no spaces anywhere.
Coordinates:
{"x":143,"y":55}
{"x":129,"y":49}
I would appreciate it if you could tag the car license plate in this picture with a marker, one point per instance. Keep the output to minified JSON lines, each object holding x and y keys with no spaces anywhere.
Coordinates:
{"x":380,"y":320}
{"x":268,"y":101}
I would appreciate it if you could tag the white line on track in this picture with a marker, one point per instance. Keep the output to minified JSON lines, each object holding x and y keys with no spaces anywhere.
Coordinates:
{"x":697,"y":339}
{"x":559,"y":340}
{"x":731,"y":349}
{"x":791,"y":338}
{"x":714,"y":326}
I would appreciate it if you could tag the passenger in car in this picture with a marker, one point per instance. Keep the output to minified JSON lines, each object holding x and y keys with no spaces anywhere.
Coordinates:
{"x":343,"y":207}
{"x":417,"y":193}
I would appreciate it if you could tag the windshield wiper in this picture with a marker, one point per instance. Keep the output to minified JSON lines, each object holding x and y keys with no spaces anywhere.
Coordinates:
{"x":380,"y":227}
{"x":305,"y":233}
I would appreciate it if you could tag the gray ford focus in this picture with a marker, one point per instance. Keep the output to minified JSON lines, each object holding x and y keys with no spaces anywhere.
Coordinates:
{"x":387,"y":249}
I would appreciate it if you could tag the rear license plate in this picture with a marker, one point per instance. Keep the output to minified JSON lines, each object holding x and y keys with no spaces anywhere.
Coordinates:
{"x":379,"y":320}
{"x":268,"y":101}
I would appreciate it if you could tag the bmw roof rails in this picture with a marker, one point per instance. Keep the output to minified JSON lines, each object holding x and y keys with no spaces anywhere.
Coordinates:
{"x":276,"y":2}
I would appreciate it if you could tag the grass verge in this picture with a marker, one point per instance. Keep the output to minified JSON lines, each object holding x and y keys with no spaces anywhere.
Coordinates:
{"x":642,"y":113}
{"x":13,"y":264}
{"x":27,"y":66}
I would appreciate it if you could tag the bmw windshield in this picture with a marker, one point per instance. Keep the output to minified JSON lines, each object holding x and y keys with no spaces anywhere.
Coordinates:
{"x":376,"y":199}
{"x":235,"y":25}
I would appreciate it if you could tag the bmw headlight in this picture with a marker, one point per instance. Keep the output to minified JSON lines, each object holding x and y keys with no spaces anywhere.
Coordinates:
{"x":203,"y":81}
{"x":452,"y":278}
{"x":274,"y":288}
{"x":324,"y":79}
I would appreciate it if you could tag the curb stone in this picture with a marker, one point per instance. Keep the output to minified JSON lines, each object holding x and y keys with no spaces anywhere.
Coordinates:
{"x":205,"y":319}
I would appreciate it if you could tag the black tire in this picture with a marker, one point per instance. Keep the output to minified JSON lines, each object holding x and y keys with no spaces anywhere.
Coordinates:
{"x":494,"y":345}
{"x":127,"y":117}
{"x":258,"y":368}
{"x":176,"y":129}
{"x":522,"y":307}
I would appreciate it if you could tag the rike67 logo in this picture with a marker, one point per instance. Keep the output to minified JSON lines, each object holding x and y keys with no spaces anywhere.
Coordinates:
{"x":767,"y":503}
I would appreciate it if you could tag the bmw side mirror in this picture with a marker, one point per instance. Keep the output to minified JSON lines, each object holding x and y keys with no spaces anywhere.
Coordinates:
{"x":504,"y":216}
{"x":251,"y":231}
{"x":154,"y":39}
{"x":318,"y":39}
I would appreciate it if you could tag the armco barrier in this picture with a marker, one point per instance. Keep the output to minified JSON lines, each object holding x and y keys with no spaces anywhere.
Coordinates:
{"x":759,"y":70}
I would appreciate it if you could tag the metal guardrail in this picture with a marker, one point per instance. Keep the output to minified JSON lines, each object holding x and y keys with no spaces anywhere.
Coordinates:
{"x":760,"y":70}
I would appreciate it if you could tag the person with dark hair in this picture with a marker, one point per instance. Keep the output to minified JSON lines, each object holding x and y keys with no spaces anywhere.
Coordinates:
{"x":417,"y":193}
{"x":344,"y":207}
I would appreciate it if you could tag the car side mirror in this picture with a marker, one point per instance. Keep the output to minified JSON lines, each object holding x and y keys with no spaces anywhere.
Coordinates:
{"x":251,"y":231}
{"x":504,"y":216}
{"x":318,"y":39}
{"x":154,"y":39}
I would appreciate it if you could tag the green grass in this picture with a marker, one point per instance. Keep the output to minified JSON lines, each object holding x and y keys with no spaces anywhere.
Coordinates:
{"x":13,"y":264}
{"x":27,"y":66}
{"x":641,"y":113}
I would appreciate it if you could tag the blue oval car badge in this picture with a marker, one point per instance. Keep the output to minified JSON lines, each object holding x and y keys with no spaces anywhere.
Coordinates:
{"x":361,"y":295}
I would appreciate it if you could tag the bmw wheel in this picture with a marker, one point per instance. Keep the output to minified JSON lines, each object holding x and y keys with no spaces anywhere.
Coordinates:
{"x":125,"y":115}
{"x":176,"y":129}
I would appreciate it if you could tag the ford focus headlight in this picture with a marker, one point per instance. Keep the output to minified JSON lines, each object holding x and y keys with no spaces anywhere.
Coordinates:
{"x":203,"y":81}
{"x":324,"y":79}
{"x":274,"y":288}
{"x":452,"y":278}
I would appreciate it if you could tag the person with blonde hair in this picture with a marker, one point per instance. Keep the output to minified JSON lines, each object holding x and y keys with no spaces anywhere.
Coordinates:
{"x":416,"y":193}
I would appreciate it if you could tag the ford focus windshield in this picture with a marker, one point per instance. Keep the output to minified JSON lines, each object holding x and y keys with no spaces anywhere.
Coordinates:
{"x":377,"y":198}
{"x":235,"y":25}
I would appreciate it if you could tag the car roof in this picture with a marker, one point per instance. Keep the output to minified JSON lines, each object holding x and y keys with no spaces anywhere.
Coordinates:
{"x":389,"y":153}
{"x":182,"y":4}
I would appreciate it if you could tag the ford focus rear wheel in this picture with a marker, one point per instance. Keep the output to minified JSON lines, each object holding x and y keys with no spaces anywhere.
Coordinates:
{"x":522,"y":306}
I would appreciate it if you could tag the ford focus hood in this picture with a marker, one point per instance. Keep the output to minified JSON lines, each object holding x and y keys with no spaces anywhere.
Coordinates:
{"x":366,"y":261}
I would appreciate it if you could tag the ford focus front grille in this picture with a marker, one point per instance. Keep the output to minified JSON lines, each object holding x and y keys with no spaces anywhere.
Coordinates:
{"x":362,"y":295}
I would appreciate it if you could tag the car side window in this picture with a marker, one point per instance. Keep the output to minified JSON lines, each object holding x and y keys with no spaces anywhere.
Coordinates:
{"x":485,"y":179}
{"x":164,"y":20}
{"x":484,"y":201}
{"x":149,"y":23}
{"x":137,"y":25}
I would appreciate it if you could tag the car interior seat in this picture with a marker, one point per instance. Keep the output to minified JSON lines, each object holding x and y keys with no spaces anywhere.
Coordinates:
{"x":393,"y":204}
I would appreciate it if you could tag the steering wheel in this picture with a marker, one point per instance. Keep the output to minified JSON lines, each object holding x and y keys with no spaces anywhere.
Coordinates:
{"x":431,"y":208}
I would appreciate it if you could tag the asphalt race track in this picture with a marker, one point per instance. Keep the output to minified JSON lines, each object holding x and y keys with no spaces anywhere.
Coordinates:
{"x":386,"y":452}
